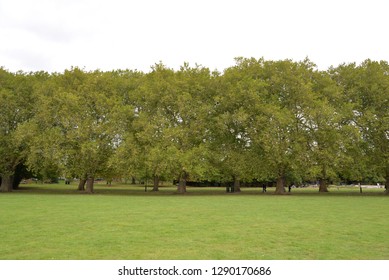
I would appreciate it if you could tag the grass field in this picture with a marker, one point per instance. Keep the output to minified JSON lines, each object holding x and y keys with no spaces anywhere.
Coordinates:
{"x":123,"y":222}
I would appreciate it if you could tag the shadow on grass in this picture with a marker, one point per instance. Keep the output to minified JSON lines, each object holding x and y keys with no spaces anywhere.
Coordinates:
{"x":127,"y":190}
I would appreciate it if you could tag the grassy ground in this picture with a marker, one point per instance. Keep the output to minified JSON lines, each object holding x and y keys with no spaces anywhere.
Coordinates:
{"x":123,"y":222}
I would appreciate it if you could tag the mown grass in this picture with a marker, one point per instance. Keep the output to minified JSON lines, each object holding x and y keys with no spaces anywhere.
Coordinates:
{"x":124,"y":222}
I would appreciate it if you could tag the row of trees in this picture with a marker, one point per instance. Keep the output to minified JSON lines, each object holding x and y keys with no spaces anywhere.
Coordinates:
{"x":267,"y":121}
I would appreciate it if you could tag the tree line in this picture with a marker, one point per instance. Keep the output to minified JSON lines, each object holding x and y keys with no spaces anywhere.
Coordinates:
{"x":258,"y":121}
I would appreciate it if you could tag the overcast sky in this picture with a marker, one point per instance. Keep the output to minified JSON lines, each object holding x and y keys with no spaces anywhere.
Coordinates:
{"x":53,"y":35}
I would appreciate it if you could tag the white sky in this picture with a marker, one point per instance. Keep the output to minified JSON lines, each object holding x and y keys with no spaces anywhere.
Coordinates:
{"x":53,"y":35}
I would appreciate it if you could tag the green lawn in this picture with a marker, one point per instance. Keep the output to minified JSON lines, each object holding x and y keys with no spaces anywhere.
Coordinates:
{"x":123,"y":222}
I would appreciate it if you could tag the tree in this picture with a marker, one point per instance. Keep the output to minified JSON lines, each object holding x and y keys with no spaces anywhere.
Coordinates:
{"x":366,"y":87}
{"x":279,"y":132}
{"x":74,"y":129}
{"x":168,"y":126}
{"x":233,"y":123}
{"x":126,"y":159}
{"x":147,"y":148}
{"x":17,"y":106}
{"x":195,"y":101}
{"x":326,"y":122}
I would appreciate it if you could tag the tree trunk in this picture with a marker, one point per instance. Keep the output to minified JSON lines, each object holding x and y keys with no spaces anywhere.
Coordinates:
{"x":236,"y":184}
{"x":323,"y":186}
{"x":182,"y":183}
{"x":387,"y":181}
{"x":81,"y":185}
{"x":156,"y":183}
{"x":18,"y":176}
{"x":89,"y":185}
{"x":133,"y":180}
{"x":6,"y":183}
{"x":280,"y":187}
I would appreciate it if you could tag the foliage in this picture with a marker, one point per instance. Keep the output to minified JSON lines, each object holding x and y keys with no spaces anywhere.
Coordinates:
{"x":263,"y":121}
{"x":17,"y":105}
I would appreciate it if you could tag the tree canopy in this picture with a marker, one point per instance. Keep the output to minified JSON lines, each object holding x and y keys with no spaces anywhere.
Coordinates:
{"x":259,"y":121}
